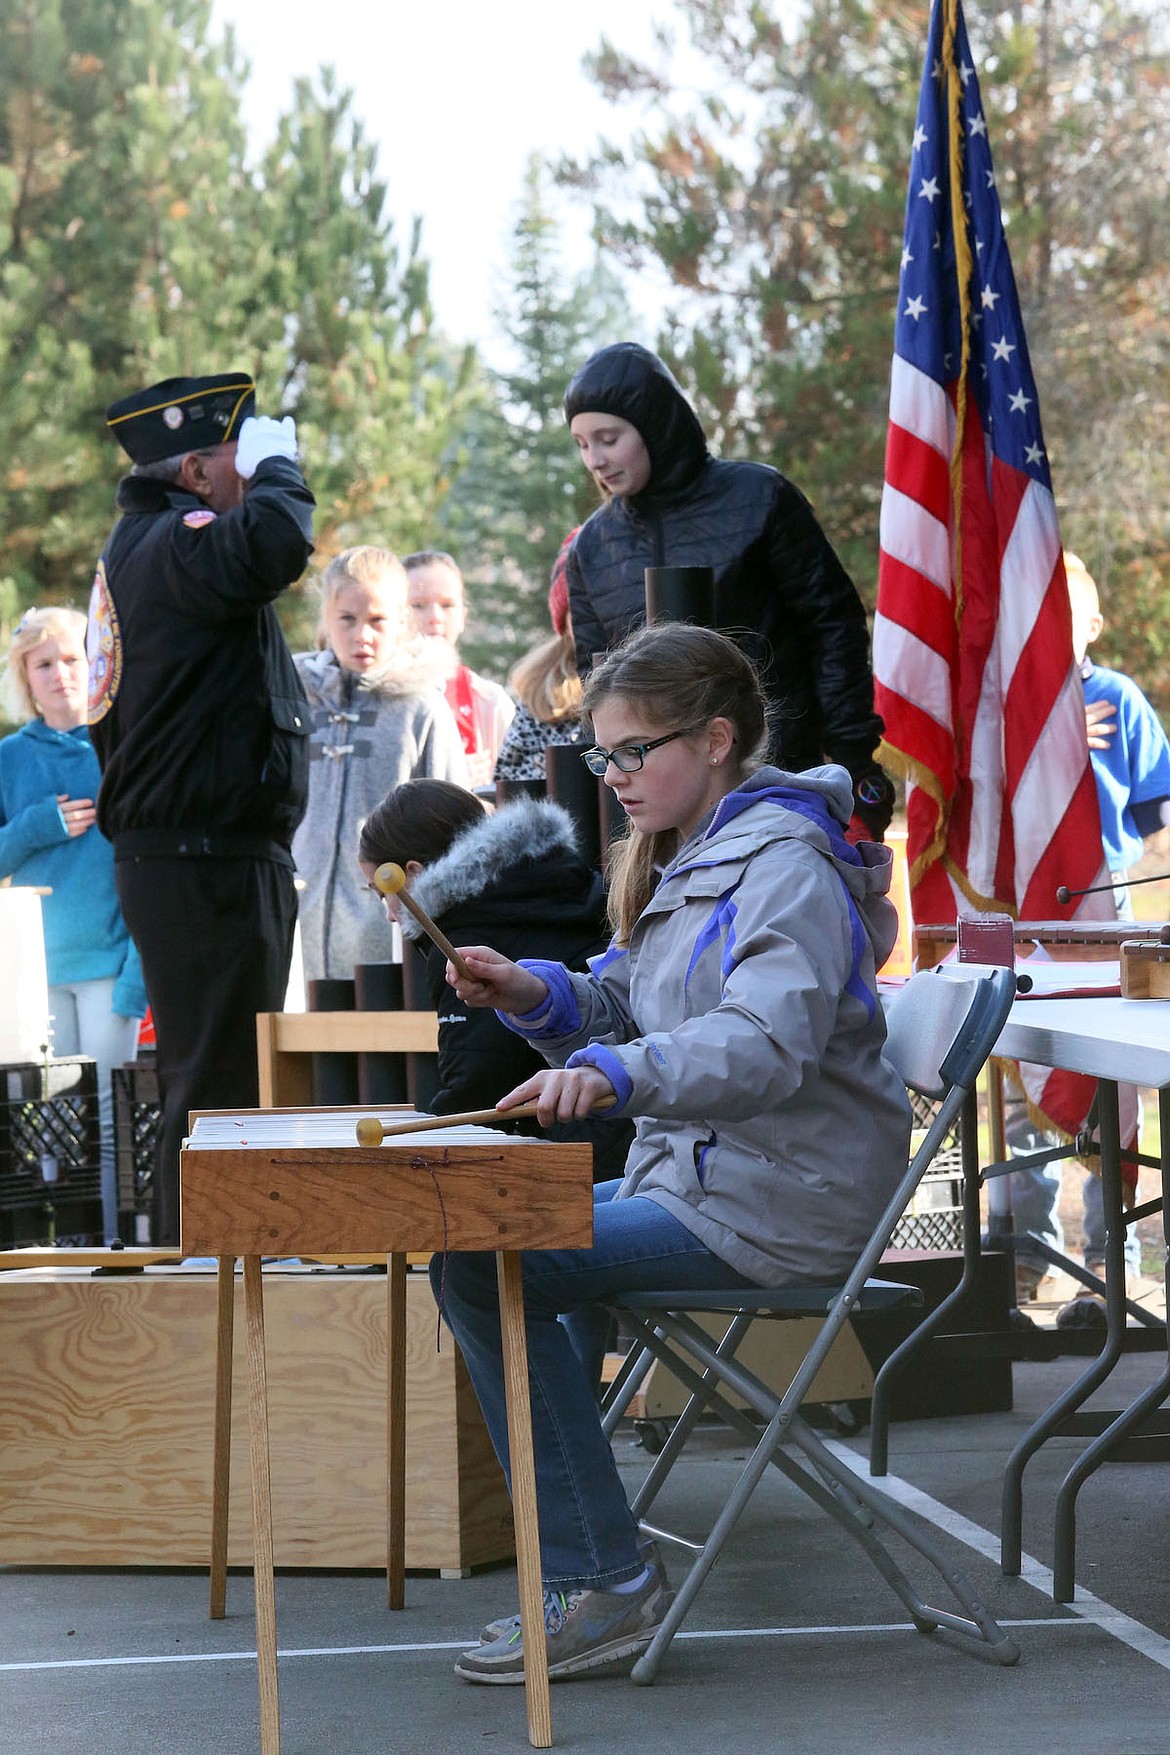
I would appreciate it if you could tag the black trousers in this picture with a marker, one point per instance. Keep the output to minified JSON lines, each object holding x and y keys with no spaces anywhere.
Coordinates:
{"x":215,"y":936}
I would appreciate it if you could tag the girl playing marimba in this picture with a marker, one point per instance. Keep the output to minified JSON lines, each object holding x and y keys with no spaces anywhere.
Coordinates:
{"x":735,"y":1017}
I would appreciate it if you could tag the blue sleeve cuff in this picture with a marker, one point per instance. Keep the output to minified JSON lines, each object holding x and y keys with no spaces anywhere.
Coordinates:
{"x":558,"y":1015}
{"x":607,"y":1062}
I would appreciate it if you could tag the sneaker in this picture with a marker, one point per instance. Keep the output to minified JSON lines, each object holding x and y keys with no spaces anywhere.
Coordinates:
{"x":584,"y":1630}
{"x":651,"y":1555}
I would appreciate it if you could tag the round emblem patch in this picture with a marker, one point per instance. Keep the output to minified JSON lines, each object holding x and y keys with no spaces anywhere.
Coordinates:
{"x":172,"y":417}
{"x":103,"y":647}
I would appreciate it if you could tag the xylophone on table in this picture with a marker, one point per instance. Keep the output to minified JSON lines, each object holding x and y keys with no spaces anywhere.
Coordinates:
{"x":1071,"y":941}
{"x":282,"y":1183}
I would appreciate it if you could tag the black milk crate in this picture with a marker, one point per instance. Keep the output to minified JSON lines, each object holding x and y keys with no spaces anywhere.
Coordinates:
{"x":137,"y":1121}
{"x":50,"y":1145}
{"x":934,"y":1218}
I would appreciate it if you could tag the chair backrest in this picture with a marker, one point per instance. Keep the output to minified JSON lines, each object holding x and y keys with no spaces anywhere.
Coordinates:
{"x":941,"y":1027}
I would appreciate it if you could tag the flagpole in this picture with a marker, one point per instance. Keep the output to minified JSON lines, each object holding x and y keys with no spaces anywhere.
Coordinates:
{"x":963,"y":270}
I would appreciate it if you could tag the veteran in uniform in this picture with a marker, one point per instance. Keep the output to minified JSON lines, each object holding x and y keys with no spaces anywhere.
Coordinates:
{"x":200,"y":725}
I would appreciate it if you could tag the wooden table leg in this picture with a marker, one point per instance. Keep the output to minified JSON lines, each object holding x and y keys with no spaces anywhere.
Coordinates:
{"x":262,"y":1574}
{"x":225,"y":1288}
{"x":524,"y":1497}
{"x":395,"y":1431}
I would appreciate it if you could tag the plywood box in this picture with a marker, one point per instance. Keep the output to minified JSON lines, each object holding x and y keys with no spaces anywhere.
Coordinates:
{"x":106,"y":1404}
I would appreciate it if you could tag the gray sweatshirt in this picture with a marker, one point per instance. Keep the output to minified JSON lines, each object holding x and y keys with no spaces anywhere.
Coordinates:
{"x":369,"y":735}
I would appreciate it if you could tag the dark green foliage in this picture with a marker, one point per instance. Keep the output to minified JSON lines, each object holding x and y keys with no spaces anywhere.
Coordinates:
{"x":521,"y":488}
{"x":138,"y":241}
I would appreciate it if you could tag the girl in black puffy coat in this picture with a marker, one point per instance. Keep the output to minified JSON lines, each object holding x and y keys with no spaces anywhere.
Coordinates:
{"x":513,"y":879}
{"x":779,"y":587}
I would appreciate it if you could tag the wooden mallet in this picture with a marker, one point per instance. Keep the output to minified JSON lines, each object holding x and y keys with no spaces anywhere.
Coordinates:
{"x":390,"y":880}
{"x":371,"y":1132}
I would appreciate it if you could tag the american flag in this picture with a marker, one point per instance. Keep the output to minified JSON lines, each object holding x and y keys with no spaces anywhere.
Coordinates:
{"x":972,"y":649}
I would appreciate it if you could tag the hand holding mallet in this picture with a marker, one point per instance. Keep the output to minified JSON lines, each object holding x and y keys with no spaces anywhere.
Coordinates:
{"x":390,"y":880}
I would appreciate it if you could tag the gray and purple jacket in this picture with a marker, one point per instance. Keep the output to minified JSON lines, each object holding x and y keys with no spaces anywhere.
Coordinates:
{"x":741,"y":1028}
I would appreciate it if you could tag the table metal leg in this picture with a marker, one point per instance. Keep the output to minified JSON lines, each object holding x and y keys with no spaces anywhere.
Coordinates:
{"x":225,"y":1293}
{"x":882,"y":1395}
{"x":523,"y":1463}
{"x":1011,"y":1537}
{"x":1064,"y":1542}
{"x":396,"y":1431}
{"x":264,"y":1583}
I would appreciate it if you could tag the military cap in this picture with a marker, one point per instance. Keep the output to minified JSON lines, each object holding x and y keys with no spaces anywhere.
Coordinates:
{"x":182,"y":414}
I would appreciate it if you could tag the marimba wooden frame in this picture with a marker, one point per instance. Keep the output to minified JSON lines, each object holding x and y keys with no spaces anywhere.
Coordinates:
{"x":255,"y":1199}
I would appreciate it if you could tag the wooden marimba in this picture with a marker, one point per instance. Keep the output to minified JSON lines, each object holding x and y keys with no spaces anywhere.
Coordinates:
{"x":1070,"y":941}
{"x":284,"y":1183}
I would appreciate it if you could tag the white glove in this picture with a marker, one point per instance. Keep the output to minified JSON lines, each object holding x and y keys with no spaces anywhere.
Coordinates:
{"x":261,"y":437}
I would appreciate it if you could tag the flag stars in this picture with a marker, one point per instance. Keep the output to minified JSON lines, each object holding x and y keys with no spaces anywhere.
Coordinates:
{"x":914,"y":308}
{"x":930,"y":190}
{"x":1035,"y":454}
{"x":988,"y":298}
{"x":1003,"y":349}
{"x":966,"y":73}
{"x":1019,"y":403}
{"x":907,"y":258}
{"x":977,"y":124}
{"x":920,"y":137}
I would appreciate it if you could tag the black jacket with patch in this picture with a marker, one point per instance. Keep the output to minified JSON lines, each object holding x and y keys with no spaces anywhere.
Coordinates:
{"x":202,"y":725}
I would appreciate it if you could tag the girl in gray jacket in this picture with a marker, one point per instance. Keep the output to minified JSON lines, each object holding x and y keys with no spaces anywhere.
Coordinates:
{"x":735,"y":1016}
{"x":379,"y":718}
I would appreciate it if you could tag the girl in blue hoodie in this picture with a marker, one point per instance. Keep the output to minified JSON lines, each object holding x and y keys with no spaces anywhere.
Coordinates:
{"x":49,"y":778}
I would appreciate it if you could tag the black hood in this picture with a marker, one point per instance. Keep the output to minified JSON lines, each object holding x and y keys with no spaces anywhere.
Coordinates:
{"x":632,"y":383}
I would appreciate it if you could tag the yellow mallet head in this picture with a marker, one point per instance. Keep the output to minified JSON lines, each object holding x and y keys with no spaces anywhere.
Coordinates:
{"x":389,"y":879}
{"x":369,"y":1131}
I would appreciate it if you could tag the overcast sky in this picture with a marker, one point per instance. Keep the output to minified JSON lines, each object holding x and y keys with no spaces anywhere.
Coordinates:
{"x":457,"y":93}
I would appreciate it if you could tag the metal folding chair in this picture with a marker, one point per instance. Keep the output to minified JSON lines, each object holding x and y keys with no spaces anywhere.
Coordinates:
{"x":942,"y":1027}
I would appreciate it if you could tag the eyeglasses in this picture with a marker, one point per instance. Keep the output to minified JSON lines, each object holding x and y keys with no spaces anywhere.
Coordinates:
{"x":628,"y":757}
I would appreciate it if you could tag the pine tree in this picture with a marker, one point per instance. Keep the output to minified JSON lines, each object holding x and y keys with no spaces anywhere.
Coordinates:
{"x":522,"y":488}
{"x":138,"y":241}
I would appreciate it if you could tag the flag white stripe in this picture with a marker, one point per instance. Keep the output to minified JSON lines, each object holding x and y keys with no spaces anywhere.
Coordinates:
{"x":1045,"y":790}
{"x":912,"y":535}
{"x":923,"y":677}
{"x":920,"y":406}
{"x":1029,"y":560}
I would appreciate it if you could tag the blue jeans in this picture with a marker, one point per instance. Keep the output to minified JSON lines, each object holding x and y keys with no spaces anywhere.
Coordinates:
{"x":588,"y":1536}
{"x":1036,"y":1197}
{"x":84,"y":1022}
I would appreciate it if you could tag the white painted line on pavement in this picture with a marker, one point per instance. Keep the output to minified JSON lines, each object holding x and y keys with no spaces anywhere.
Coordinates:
{"x":406,"y":1648}
{"x":1090,"y":1608}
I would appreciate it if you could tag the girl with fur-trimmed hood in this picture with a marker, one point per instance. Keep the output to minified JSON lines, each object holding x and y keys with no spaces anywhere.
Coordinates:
{"x":515,"y":877}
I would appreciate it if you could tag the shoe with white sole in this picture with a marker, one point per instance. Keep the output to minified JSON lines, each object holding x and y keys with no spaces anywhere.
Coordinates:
{"x":651,"y":1556}
{"x":584,"y":1630}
